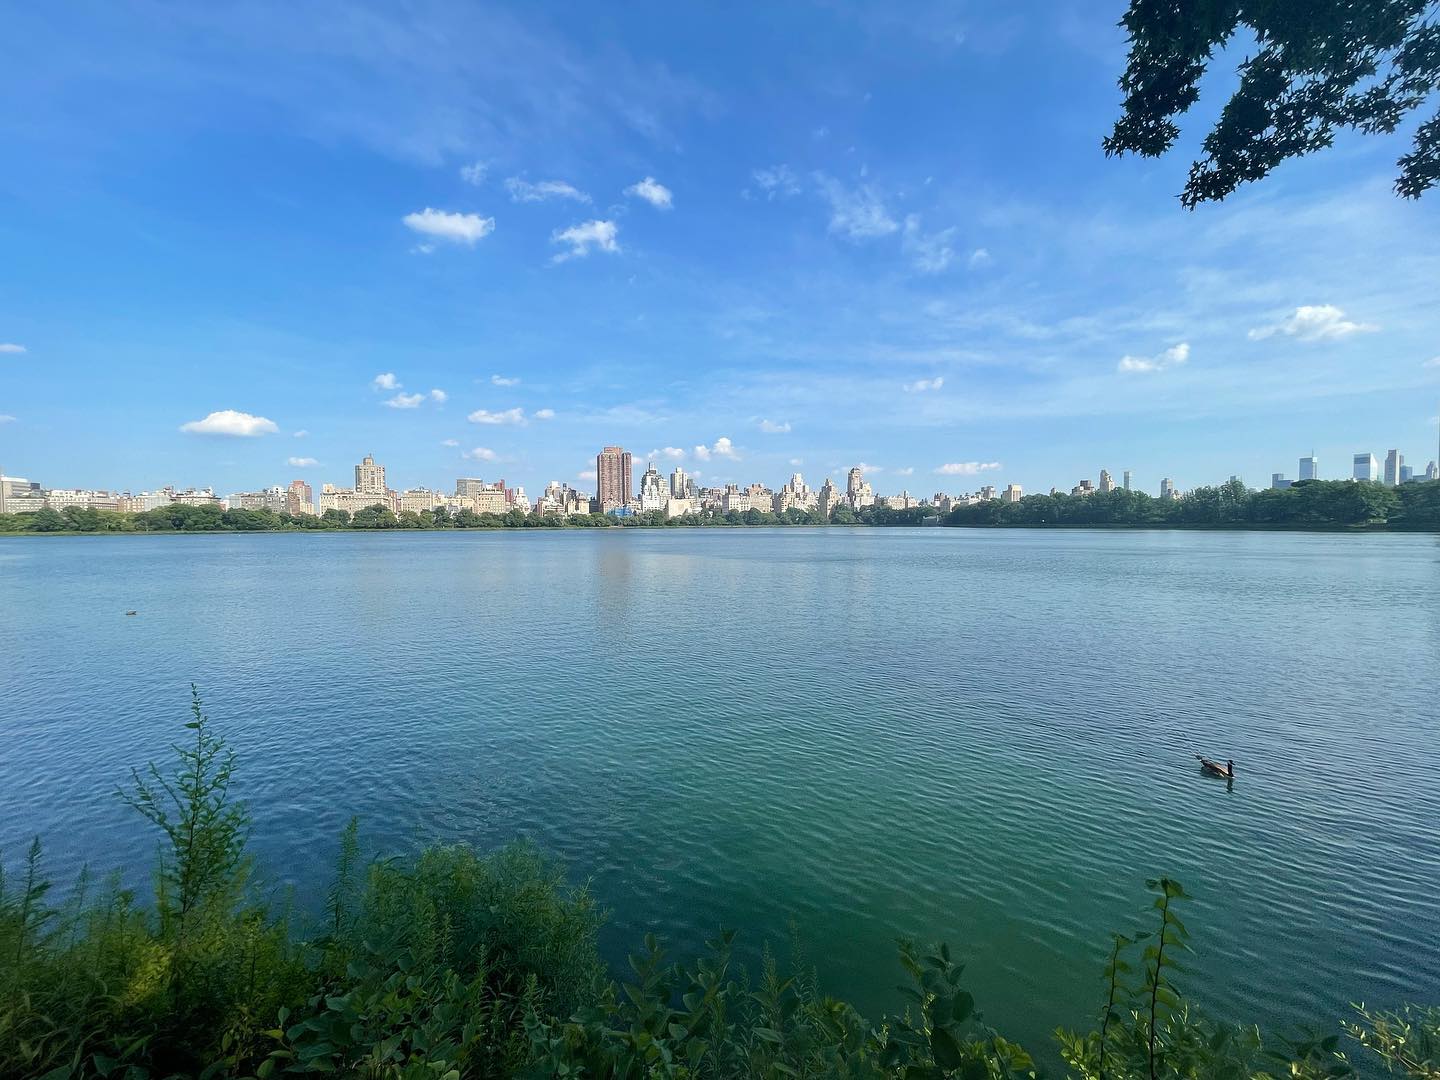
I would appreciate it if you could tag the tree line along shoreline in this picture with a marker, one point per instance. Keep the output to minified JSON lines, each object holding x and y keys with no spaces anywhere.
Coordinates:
{"x":1309,"y":506}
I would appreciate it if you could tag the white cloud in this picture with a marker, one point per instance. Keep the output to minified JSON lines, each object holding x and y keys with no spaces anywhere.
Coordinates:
{"x":797,"y":461}
{"x":1314,"y":322}
{"x":978,"y":258}
{"x":585,"y":474}
{"x":674,"y":453}
{"x":453,"y":227}
{"x":1434,"y":361}
{"x":502,"y":380}
{"x":439,"y":397}
{"x":405,"y":401}
{"x":300,"y":434}
{"x":480,"y":453}
{"x":652,"y":191}
{"x":779,"y":182}
{"x":449,"y":442}
{"x":722,"y":447}
{"x":1173,"y":357}
{"x":966,"y":468}
{"x":544,"y":414}
{"x":909,"y":470}
{"x":770,"y":427}
{"x":856,"y":214}
{"x":522,"y":190}
{"x":475,"y":172}
{"x":303,"y":462}
{"x":6,"y":418}
{"x":921,"y":386}
{"x":508,"y":416}
{"x":930,"y":253}
{"x":586,"y":237}
{"x":230,"y":423}
{"x":387,"y":381}
{"x":11,"y":347}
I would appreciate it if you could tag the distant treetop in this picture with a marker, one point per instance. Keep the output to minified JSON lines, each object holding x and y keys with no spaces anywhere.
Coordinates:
{"x":1320,"y":65}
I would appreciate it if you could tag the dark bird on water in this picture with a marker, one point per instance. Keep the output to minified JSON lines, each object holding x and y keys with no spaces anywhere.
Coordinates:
{"x":1214,"y":768}
{"x":132,"y":613}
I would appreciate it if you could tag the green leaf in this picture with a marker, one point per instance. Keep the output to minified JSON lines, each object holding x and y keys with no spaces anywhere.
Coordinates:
{"x":946,"y":1049}
{"x":964,"y":1006}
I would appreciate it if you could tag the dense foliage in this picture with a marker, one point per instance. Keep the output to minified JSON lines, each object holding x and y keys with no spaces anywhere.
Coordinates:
{"x":1309,"y":504}
{"x":455,"y":964}
{"x":1310,"y":67}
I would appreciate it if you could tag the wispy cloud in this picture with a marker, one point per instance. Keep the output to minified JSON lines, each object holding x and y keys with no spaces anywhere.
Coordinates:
{"x":966,"y":468}
{"x":866,"y":468}
{"x":405,"y":401}
{"x":720,"y":448}
{"x":1314,"y":322}
{"x":930,"y":253}
{"x":302,"y":433}
{"x":450,"y":442}
{"x":508,"y":416}
{"x":230,"y":423}
{"x":1434,"y":361}
{"x":674,"y":453}
{"x":653,"y":192}
{"x":386,"y":381}
{"x":302,"y":462}
{"x":439,"y":397}
{"x":921,"y":386}
{"x":454,"y":228}
{"x":11,"y":348}
{"x":585,"y":474}
{"x":544,"y":414}
{"x":777,"y":182}
{"x":978,"y":258}
{"x":855,"y":213}
{"x":480,"y":453}
{"x":502,"y":380}
{"x":6,"y":418}
{"x":1175,"y":356}
{"x":586,"y":237}
{"x":524,"y":191}
{"x":770,"y":427}
{"x":475,"y":173}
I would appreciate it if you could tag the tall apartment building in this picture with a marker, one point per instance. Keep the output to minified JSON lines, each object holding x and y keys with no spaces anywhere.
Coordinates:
{"x":299,"y":499}
{"x":1366,"y":467}
{"x":1310,"y":468}
{"x":1107,"y":482}
{"x":1013,"y":492}
{"x":1167,"y":488}
{"x":1394,"y":461}
{"x":1127,"y":479}
{"x":467,"y":486}
{"x":369,"y":477}
{"x":612,"y":478}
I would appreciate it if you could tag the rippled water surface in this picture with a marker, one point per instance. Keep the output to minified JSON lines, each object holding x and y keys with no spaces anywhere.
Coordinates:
{"x":984,"y":737}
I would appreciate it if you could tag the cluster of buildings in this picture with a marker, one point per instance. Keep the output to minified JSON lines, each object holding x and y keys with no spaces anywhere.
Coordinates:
{"x":1366,"y":467}
{"x":675,"y":495}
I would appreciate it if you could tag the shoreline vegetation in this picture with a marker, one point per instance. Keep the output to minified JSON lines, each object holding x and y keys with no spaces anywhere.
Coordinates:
{"x":456,"y":964}
{"x":1310,"y":505}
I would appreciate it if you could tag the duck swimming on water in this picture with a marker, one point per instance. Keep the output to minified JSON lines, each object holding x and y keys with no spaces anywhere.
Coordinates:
{"x":1214,"y":768}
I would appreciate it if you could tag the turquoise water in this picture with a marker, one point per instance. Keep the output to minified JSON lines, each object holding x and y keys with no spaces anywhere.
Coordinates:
{"x":978,"y":736}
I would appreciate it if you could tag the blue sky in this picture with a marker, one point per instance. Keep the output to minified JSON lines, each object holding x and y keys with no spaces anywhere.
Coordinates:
{"x":754,"y":238}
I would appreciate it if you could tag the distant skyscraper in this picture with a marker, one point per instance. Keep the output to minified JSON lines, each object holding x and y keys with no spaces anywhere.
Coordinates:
{"x":1310,"y":468}
{"x":1406,"y":474}
{"x":1393,"y":461}
{"x":612,"y":478}
{"x":1432,"y":471}
{"x":299,"y":498}
{"x":1167,"y":488}
{"x":1107,"y":483}
{"x":469,"y":486}
{"x":1277,"y":480}
{"x":369,"y":477}
{"x":1366,"y":467}
{"x":1012,"y":493}
{"x":678,"y":484}
{"x":1127,"y":479}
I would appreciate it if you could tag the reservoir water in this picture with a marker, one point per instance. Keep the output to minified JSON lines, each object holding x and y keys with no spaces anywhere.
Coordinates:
{"x":983,"y":737}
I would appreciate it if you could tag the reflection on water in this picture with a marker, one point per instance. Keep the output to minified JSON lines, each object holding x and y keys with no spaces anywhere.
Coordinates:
{"x":986,"y":737}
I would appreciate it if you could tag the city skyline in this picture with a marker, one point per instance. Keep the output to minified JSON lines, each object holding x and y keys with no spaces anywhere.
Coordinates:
{"x":620,"y":236}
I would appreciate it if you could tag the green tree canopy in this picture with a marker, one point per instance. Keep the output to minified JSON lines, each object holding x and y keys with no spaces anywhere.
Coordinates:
{"x":1318,"y":65}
